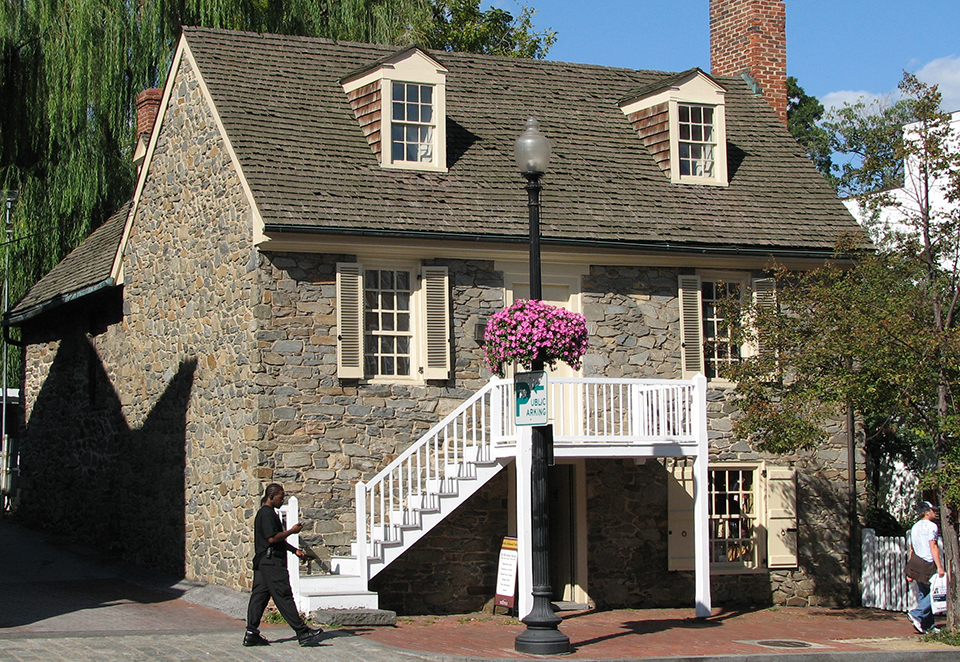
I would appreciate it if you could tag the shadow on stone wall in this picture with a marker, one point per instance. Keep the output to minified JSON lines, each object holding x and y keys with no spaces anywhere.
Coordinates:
{"x":88,"y":477}
{"x":825,"y":547}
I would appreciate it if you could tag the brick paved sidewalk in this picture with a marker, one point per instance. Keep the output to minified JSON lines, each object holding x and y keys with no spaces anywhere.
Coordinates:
{"x":661,"y":633}
{"x":57,"y":606}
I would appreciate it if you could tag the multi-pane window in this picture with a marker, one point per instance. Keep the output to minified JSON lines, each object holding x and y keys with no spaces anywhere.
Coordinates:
{"x":697,"y":141}
{"x":719,"y":352}
{"x":734,"y":534}
{"x":387,"y":329}
{"x":412,"y":128}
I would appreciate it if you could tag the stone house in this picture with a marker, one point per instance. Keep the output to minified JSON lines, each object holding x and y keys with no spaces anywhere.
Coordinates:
{"x":297,"y":290}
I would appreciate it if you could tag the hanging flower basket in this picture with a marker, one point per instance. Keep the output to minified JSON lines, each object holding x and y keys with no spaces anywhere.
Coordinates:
{"x":532,"y":330}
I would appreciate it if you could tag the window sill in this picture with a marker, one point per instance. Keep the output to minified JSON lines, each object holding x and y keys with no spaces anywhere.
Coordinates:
{"x":415,"y":167}
{"x":725,"y":570}
{"x":719,"y":382}
{"x":393,"y":381}
{"x":700,"y":181}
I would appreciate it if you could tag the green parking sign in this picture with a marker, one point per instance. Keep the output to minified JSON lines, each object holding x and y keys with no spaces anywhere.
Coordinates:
{"x":530,"y":389}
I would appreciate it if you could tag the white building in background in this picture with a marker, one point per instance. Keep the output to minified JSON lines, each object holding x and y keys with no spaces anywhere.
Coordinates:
{"x":900,"y":486}
{"x":909,"y":198}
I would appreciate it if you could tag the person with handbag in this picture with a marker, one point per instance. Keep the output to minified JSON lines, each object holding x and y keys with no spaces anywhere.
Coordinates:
{"x":924,"y":562}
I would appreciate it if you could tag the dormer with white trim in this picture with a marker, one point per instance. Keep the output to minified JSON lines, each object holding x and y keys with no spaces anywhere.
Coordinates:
{"x":682,"y":121}
{"x":400,"y":102}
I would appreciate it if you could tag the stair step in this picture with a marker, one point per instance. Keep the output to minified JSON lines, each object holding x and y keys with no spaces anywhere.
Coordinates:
{"x":331,"y":584}
{"x":346,"y":600}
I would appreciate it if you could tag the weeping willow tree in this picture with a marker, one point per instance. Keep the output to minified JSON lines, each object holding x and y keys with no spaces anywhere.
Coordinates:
{"x":71,"y":69}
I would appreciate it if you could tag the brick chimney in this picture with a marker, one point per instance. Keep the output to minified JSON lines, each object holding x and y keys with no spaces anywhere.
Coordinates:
{"x":750,"y":36}
{"x":148,"y":106}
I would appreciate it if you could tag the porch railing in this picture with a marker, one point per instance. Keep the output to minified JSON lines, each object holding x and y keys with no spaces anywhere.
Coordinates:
{"x":585,"y":412}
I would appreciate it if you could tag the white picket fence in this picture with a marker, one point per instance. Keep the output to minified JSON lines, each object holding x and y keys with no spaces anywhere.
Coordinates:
{"x":884,"y":579}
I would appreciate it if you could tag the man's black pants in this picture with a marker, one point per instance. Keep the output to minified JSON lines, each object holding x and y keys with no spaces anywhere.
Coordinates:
{"x":271,"y":580}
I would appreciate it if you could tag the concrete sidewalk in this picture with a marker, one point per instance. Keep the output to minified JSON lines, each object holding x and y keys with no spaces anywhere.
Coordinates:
{"x":65,"y":603}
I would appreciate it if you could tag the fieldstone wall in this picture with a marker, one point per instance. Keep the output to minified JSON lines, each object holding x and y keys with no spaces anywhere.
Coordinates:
{"x":175,"y":441}
{"x":634,"y":323}
{"x":87,"y":476}
{"x":192,"y":283}
{"x":320,"y":435}
{"x":453,"y":569}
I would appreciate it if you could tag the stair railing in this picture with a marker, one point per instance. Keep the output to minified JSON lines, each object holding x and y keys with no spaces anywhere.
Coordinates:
{"x":408,"y":486}
{"x":586,"y":412}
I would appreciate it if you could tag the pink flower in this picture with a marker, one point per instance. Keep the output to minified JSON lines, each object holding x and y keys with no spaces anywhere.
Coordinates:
{"x":530,"y":330}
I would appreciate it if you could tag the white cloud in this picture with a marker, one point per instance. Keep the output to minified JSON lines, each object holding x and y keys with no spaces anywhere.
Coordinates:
{"x":837,"y":99}
{"x":944,"y":72}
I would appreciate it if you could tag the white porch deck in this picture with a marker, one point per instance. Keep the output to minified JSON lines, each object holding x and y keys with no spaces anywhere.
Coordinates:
{"x":592,"y":417}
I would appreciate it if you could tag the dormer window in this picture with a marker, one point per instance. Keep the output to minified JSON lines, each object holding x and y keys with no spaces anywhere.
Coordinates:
{"x":681,"y":121}
{"x":400,"y":102}
{"x":697,"y":140}
{"x":412,"y":125}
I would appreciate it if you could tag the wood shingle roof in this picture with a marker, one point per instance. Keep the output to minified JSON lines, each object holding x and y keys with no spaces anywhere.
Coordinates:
{"x":86,"y":269}
{"x":308,"y":165}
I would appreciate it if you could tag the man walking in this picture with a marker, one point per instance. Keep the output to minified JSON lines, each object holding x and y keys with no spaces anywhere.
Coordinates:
{"x":270,"y":579}
{"x":923,"y":562}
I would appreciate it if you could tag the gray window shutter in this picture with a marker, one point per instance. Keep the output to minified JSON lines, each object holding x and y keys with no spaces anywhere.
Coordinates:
{"x":436,"y":291}
{"x":691,"y":328}
{"x":765,"y":296}
{"x":781,"y":517}
{"x":349,"y":321}
{"x":681,"y":533}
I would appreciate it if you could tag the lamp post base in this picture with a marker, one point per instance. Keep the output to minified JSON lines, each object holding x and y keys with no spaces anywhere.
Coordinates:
{"x":542,"y":639}
{"x":542,"y":636}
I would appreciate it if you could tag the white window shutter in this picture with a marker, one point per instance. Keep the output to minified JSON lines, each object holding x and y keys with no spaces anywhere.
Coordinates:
{"x":691,"y":327}
{"x":781,"y":517}
{"x":681,"y":534}
{"x":764,"y":296}
{"x":436,"y":297}
{"x":349,"y":321}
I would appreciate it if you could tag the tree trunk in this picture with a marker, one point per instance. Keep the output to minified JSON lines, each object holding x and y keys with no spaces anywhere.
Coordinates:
{"x":951,"y":554}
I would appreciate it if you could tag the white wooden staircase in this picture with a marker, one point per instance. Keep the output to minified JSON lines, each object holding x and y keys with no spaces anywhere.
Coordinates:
{"x":424,"y":484}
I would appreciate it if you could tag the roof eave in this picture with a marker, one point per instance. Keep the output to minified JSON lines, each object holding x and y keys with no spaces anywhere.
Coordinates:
{"x":655,"y":246}
{"x":18,"y":318}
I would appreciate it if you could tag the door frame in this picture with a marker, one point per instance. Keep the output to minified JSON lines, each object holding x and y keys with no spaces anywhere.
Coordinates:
{"x":578,"y":590}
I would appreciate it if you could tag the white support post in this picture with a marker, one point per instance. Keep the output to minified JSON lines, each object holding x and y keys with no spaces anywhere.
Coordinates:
{"x":498,"y":419}
{"x":701,"y":513}
{"x":360,"y":496}
{"x":291,"y":513}
{"x":524,"y":522}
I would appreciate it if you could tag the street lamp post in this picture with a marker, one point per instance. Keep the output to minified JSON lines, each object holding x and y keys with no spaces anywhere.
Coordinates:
{"x":542,"y":636}
{"x":5,"y":451}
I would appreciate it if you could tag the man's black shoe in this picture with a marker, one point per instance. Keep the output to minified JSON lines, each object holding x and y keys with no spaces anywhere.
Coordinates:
{"x":309,"y":637}
{"x":254,"y":639}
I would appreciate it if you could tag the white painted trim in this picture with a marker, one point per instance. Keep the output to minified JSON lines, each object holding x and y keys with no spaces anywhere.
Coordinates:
{"x":701,"y":513}
{"x":524,"y":463}
{"x":581,"y":257}
{"x":720,"y":146}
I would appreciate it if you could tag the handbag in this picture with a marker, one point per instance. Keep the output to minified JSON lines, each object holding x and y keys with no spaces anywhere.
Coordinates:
{"x":938,"y":594}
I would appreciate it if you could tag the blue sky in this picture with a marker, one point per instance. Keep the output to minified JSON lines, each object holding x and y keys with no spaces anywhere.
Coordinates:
{"x":837,"y":49}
